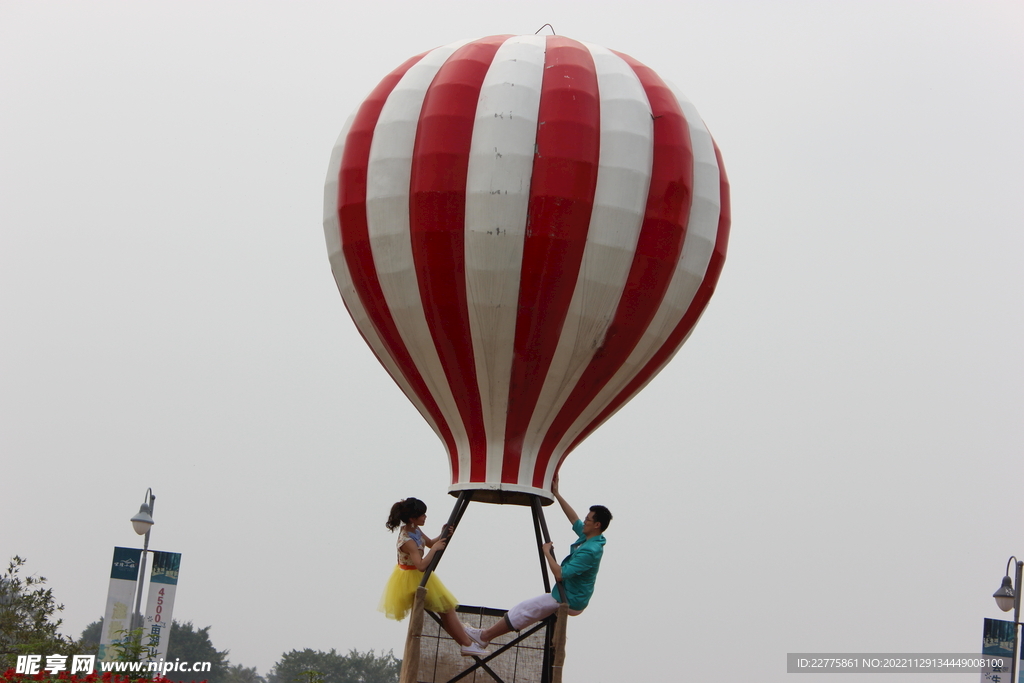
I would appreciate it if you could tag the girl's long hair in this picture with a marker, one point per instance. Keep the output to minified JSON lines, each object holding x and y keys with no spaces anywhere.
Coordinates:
{"x":405,"y":510}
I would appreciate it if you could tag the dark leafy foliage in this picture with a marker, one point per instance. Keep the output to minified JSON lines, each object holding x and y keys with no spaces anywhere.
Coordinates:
{"x":27,"y":624}
{"x":190,"y":644}
{"x":315,"y":666}
{"x":238,"y":673}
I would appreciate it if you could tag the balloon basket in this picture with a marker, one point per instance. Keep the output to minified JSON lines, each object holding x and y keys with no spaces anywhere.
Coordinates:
{"x":534,"y":655}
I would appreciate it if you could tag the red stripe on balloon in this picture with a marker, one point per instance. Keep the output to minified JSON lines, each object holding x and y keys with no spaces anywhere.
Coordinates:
{"x":565,"y":168}
{"x":437,"y":208}
{"x":654,"y":262}
{"x":689,"y":319}
{"x":356,"y":244}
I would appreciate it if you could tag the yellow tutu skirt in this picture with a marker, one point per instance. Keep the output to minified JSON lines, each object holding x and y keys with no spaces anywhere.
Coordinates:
{"x":398,"y":594}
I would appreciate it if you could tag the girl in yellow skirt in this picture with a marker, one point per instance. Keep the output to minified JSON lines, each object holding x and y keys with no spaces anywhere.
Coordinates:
{"x":409,"y":515}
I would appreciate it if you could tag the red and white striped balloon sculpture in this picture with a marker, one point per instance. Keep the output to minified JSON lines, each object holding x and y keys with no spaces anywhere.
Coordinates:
{"x":525,"y":229}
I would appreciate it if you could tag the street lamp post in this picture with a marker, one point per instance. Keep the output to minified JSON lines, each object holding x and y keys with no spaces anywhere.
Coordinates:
{"x":1008,"y":597}
{"x":142,"y":523}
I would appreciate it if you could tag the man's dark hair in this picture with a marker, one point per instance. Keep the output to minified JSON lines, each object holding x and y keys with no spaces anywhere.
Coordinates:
{"x":602,"y":516}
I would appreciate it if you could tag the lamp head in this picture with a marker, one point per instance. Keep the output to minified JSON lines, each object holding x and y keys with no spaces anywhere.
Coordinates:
{"x":1004,"y":596}
{"x":144,"y":520}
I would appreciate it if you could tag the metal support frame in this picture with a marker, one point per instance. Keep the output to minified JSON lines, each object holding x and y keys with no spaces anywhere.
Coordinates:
{"x":541,"y":523}
{"x":554,"y":650}
{"x":541,"y":535}
{"x":453,"y":521}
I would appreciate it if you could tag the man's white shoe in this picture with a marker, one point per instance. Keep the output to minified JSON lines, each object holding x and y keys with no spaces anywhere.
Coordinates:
{"x":473,"y":650}
{"x":475,"y":635}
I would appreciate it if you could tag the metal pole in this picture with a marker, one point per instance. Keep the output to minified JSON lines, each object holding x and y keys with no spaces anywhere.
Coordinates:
{"x":453,"y":521}
{"x":539,"y":512}
{"x":137,"y":616}
{"x":1016,"y":620}
{"x":535,"y":509}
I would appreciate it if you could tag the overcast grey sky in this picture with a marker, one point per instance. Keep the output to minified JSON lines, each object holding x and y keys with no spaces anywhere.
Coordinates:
{"x":843,"y":429}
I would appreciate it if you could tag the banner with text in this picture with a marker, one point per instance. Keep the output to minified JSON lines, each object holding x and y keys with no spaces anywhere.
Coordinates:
{"x":997,"y":640}
{"x":163,"y":583}
{"x":117,"y":621}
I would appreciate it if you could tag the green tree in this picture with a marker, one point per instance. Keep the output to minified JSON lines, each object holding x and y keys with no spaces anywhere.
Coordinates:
{"x":190,"y":644}
{"x":27,"y":625}
{"x":242,"y":674}
{"x":316,"y":666}
{"x":369,"y":668}
{"x":89,"y":641}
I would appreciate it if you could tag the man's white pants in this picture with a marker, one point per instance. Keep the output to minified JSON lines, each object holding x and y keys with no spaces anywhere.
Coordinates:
{"x":533,"y":610}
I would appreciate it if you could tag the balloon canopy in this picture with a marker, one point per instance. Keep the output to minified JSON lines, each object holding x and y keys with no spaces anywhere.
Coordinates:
{"x":524,"y":229}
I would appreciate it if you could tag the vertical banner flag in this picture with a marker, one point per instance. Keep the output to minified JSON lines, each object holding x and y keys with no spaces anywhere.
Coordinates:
{"x":997,"y":641}
{"x":124,"y":574}
{"x":163,"y":583}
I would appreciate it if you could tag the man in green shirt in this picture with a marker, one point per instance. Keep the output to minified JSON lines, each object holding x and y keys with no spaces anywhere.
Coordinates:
{"x":578,"y":573}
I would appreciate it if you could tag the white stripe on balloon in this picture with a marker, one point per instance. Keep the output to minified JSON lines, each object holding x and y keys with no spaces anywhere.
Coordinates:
{"x":387,"y":215}
{"x":620,"y":199}
{"x":497,"y":203}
